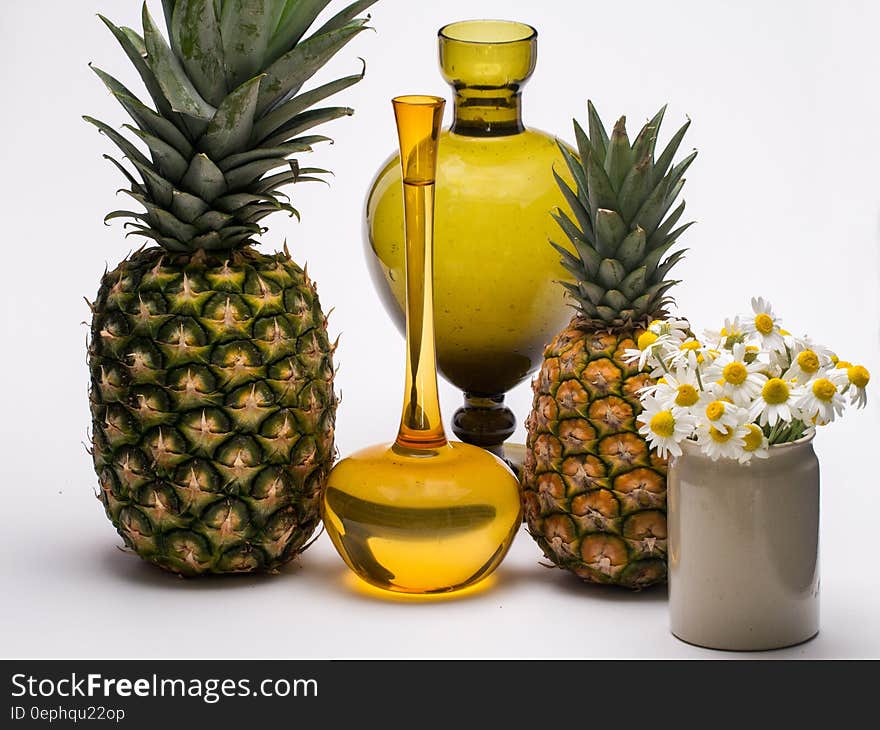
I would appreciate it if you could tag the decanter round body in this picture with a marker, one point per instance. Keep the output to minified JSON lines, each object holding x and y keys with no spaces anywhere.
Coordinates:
{"x":497,"y":300}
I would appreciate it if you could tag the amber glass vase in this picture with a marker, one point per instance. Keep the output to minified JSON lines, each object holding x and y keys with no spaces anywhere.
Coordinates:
{"x":497,"y":300}
{"x":421,"y":514}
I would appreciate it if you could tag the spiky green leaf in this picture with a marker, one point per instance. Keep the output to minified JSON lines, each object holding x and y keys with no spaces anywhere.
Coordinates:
{"x":634,"y":283}
{"x":168,"y":161}
{"x":280,"y":152}
{"x":616,"y":300}
{"x":246,"y":27}
{"x":187,"y":207}
{"x":306,"y":121}
{"x":295,"y":20}
{"x":635,"y":188}
{"x":195,"y":30}
{"x":204,"y":179}
{"x":134,"y":48}
{"x":287,"y":111}
{"x":664,"y":228}
{"x":230,"y":130}
{"x":665,"y":160}
{"x":610,"y":232}
{"x":128,"y":149}
{"x":241,"y":177}
{"x":619,"y":156}
{"x":577,"y":207}
{"x":598,"y":135}
{"x":286,"y":76}
{"x":611,"y":273}
{"x":345,"y":16}
{"x":646,"y":140}
{"x":169,"y":72}
{"x":631,"y":251}
{"x":600,"y":191}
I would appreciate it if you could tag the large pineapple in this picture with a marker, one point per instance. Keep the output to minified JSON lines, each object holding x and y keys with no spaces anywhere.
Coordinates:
{"x":595,"y":495}
{"x":211,"y":371}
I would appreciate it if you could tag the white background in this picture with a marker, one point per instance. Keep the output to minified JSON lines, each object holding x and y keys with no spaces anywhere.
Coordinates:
{"x":785,"y":107}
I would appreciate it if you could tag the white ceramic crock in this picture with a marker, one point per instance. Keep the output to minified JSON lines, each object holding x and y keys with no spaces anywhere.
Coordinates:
{"x":744,"y":548}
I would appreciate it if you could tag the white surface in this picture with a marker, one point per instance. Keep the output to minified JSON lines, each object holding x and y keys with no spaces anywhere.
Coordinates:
{"x":785,"y":190}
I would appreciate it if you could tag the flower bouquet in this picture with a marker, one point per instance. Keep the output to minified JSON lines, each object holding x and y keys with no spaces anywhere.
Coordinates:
{"x":737,"y":412}
{"x":742,"y":389}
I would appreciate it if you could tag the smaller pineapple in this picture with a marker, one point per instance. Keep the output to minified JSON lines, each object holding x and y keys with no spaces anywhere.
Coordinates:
{"x":595,"y":495}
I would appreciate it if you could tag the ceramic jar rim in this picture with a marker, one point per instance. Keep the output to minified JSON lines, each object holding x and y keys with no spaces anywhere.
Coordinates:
{"x":528,"y":33}
{"x":691,"y":448}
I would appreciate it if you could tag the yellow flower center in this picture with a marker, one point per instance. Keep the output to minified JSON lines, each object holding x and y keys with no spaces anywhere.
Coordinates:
{"x":752,"y":348}
{"x":720,"y":437}
{"x":824,"y":389}
{"x":646,"y":339}
{"x":687,"y":396}
{"x":690,"y":345}
{"x":808,"y":361}
{"x":784,"y":332}
{"x":715,"y":410}
{"x":775,"y":391}
{"x":843,"y":365}
{"x":754,"y":438}
{"x":835,"y":359}
{"x":764,"y":323}
{"x":735,"y":373}
{"x":663,"y":424}
{"x":858,"y":376}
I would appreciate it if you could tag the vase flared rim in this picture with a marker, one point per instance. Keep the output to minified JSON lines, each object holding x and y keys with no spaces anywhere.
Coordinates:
{"x":526,"y":32}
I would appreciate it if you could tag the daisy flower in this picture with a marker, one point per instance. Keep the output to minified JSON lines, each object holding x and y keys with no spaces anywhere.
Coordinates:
{"x":730,"y":334}
{"x":718,"y":443}
{"x":690,"y":354}
{"x":740,"y":380}
{"x":806,"y":365}
{"x":776,"y":402}
{"x":676,"y":328}
{"x":650,"y":346}
{"x":664,"y":429}
{"x":717,"y":411}
{"x":677,"y":391}
{"x":764,"y":325}
{"x":855,"y":382}
{"x":755,"y":444}
{"x":821,"y":401}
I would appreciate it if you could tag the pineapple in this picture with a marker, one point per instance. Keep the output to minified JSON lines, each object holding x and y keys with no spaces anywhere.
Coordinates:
{"x":211,"y":391}
{"x":594,"y":493}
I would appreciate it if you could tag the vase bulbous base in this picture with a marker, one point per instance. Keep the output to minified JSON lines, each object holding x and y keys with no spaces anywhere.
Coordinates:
{"x":422,"y":521}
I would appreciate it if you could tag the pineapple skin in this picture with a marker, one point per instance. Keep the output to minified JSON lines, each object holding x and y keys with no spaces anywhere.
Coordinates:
{"x":212,"y":408}
{"x":594,"y":493}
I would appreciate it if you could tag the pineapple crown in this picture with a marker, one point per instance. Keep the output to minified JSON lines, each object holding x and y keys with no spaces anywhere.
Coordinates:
{"x":621,"y":230}
{"x":228,"y":111}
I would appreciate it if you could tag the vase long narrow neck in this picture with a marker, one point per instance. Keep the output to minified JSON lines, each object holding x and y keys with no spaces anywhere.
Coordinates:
{"x":418,"y":126}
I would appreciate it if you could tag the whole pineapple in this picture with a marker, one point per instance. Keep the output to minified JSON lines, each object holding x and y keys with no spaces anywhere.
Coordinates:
{"x":594,"y":493}
{"x":211,"y":371}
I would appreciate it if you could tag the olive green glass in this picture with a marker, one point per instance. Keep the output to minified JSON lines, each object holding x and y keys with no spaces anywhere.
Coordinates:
{"x":497,"y":302}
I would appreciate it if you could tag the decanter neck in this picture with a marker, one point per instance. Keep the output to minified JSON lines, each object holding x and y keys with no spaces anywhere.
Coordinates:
{"x":487,"y":62}
{"x":487,"y":112}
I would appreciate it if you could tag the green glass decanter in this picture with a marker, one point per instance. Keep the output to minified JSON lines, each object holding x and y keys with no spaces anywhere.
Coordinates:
{"x":497,"y":303}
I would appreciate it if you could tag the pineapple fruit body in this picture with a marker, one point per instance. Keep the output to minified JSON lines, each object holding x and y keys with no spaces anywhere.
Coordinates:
{"x":212,"y":408}
{"x":595,"y":495}
{"x":211,"y":371}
